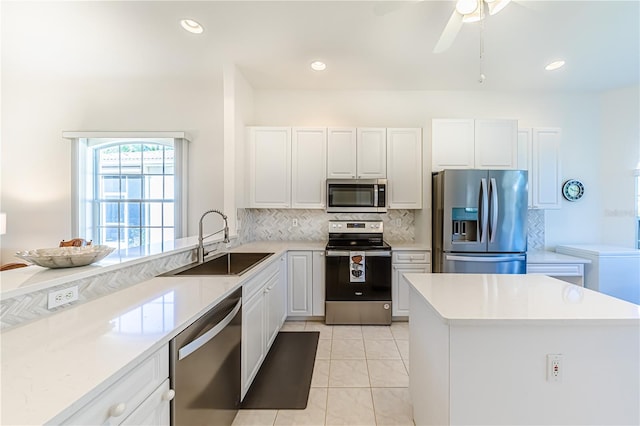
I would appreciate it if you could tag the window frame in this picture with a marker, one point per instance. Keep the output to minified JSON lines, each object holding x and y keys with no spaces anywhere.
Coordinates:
{"x":83,"y":167}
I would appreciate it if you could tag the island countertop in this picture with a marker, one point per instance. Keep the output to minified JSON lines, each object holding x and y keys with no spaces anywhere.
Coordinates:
{"x":487,"y":297}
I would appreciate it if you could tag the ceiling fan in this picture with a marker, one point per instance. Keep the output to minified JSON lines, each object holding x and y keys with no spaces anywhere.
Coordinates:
{"x":466,"y":11}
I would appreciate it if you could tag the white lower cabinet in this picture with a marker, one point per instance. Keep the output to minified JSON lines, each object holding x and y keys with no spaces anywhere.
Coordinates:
{"x":263,"y":313}
{"x":141,"y":397}
{"x":300,"y":277}
{"x":306,"y":283}
{"x":406,"y":262}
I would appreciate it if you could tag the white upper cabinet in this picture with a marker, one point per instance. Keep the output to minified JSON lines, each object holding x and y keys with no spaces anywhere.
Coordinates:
{"x":542,"y":160}
{"x":496,"y":144}
{"x":341,"y":153}
{"x":357,"y":153}
{"x":404,"y":168}
{"x":474,"y":144}
{"x":269,"y":150}
{"x":309,"y":168}
{"x":372,"y":153}
{"x":452,"y":144}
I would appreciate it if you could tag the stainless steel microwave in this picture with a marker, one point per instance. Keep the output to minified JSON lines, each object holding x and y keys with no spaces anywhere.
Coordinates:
{"x":356,"y":195}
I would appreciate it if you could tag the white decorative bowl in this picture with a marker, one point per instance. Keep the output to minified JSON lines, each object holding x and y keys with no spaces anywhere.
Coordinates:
{"x":66,"y":257}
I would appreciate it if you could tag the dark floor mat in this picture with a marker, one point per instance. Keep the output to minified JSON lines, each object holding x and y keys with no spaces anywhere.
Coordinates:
{"x":284,"y":379}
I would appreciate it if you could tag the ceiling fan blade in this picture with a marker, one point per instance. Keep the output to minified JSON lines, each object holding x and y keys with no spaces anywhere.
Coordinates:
{"x":449,"y":33}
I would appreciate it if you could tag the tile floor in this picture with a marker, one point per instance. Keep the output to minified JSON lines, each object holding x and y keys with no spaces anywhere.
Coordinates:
{"x":359,"y":378}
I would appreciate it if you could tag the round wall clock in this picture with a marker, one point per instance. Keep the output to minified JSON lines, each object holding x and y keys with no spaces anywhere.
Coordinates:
{"x":573,"y":190}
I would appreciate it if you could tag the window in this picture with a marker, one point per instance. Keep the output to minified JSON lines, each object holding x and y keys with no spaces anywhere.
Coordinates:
{"x":129,"y":191}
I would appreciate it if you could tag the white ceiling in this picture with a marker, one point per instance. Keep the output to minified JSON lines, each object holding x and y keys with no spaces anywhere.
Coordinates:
{"x":366,"y":44}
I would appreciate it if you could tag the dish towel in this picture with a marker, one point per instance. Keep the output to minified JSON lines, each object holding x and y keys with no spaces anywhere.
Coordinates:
{"x":356,"y":266}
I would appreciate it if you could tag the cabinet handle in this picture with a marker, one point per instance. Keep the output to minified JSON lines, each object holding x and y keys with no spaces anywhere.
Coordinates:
{"x":117,"y":410}
{"x":168,"y":395}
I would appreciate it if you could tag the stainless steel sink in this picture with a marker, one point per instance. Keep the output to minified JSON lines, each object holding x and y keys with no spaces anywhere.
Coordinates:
{"x":222,"y":264}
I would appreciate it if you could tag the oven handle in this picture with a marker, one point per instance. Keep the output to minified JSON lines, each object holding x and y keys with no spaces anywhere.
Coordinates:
{"x":367,"y":253}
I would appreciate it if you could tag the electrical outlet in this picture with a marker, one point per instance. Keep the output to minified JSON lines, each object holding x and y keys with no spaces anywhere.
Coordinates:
{"x":62,"y":297}
{"x":398,"y":222}
{"x":295,"y":222}
{"x":555,"y":367}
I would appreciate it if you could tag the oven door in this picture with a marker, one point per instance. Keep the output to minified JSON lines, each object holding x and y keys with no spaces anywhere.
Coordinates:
{"x":377,"y":277}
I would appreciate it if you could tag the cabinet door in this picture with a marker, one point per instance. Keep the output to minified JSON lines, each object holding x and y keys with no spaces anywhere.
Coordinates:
{"x":525,"y":159}
{"x":318,"y":283}
{"x":546,"y":168}
{"x":341,"y":153}
{"x":253,"y":338}
{"x":400,"y":287}
{"x":372,"y":153}
{"x":300,"y":279}
{"x":269,"y":167}
{"x":452,"y":144}
{"x":309,"y":168}
{"x":496,"y":144}
{"x":404,"y":168}
{"x":274,"y":293}
{"x":154,"y":411}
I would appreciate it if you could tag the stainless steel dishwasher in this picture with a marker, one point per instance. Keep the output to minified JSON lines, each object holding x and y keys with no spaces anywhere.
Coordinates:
{"x":205,"y":367}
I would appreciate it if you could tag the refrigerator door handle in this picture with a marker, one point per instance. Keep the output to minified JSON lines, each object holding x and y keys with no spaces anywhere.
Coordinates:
{"x":493,"y":191}
{"x":483,"y":203}
{"x":484,"y":258}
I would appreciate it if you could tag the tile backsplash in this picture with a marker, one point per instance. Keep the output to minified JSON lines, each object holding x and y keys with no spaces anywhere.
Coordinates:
{"x":535,"y":229}
{"x":278,"y":224}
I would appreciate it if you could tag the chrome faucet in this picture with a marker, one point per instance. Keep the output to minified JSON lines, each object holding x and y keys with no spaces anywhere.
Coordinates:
{"x":201,"y":253}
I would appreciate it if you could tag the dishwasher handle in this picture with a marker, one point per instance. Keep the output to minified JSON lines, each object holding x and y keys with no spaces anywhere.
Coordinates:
{"x":196,"y":344}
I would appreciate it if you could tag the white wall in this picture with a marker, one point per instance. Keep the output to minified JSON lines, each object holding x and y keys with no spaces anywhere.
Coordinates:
{"x":620,"y":156}
{"x":577,"y":114}
{"x":39,"y":103}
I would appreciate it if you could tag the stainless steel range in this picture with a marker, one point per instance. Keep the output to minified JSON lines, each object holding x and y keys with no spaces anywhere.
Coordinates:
{"x":357,"y":274}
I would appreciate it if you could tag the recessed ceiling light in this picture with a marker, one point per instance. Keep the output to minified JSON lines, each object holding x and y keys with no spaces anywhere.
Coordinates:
{"x":554,"y":65}
{"x":318,"y":66}
{"x":191,"y":26}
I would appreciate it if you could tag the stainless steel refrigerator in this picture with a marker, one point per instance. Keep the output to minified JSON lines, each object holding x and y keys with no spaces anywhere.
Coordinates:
{"x":480,"y":221}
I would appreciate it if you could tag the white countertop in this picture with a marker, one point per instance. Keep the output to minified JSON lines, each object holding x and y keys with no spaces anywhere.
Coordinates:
{"x":53,"y":366}
{"x":17,"y":282}
{"x":472,"y":298}
{"x":547,"y":257}
{"x":598,"y":250}
{"x":398,"y":245}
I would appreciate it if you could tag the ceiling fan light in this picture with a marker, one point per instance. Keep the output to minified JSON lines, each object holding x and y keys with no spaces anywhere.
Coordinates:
{"x":466,"y":7}
{"x":496,"y":6}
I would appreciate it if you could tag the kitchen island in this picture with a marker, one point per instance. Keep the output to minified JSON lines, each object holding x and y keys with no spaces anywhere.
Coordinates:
{"x":481,"y":351}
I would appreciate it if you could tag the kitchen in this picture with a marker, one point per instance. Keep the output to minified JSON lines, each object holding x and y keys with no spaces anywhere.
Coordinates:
{"x":74,"y":82}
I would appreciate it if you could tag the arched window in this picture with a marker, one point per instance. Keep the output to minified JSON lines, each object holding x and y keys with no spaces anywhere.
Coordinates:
{"x":130,"y":190}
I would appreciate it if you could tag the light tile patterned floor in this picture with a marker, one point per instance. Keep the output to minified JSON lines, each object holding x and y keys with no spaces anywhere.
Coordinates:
{"x":359,"y":379}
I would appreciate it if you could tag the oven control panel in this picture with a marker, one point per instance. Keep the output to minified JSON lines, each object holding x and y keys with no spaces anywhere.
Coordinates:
{"x":356,"y":226}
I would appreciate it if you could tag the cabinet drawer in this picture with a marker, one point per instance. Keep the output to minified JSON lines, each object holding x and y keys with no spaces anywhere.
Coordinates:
{"x":116,"y":403}
{"x":557,"y":269}
{"x":256,"y":283}
{"x":411,"y":257}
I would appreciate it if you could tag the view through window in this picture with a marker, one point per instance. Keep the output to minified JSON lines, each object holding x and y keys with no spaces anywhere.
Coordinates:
{"x":129,"y":191}
{"x":134,"y":194}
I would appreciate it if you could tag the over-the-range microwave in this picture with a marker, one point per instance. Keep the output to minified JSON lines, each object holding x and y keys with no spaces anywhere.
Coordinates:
{"x":356,"y":195}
